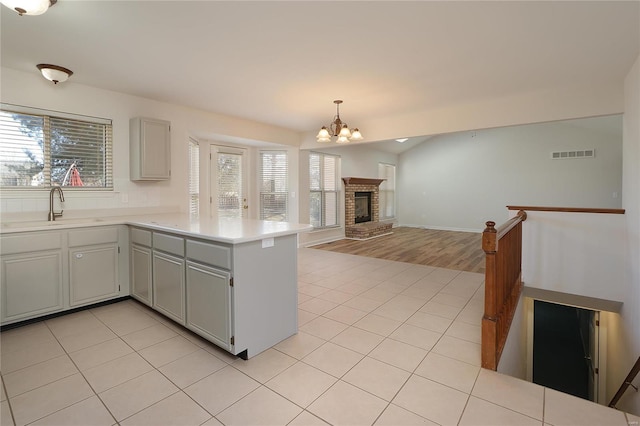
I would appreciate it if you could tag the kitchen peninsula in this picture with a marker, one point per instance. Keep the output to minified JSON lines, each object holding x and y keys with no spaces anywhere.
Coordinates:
{"x":232,"y":281}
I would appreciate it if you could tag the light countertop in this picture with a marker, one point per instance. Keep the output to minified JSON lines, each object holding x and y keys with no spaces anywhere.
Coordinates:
{"x":226,"y":230}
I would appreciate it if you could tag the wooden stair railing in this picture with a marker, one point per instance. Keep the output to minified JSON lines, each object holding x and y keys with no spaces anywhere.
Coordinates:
{"x":625,"y":385}
{"x":503,"y":284}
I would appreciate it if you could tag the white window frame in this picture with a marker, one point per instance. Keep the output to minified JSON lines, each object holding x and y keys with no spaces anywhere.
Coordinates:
{"x":47,"y":116}
{"x":323,"y":191}
{"x":387,"y":190}
{"x":280,"y":189}
{"x":194,"y":178}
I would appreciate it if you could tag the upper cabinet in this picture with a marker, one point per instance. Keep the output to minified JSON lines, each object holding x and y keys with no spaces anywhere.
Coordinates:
{"x":150,"y":146}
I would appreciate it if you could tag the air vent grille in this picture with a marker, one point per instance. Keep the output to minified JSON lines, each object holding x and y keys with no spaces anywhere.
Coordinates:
{"x":570,"y":155}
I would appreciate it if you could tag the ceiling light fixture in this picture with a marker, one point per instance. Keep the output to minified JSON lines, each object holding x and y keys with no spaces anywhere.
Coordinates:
{"x":54,"y":73}
{"x":29,"y":7}
{"x":338,"y":128}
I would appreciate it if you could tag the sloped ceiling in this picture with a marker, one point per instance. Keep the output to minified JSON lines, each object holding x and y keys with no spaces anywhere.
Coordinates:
{"x":283,"y":63}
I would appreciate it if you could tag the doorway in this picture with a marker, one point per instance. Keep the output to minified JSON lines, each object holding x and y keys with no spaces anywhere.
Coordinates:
{"x":228,"y":173}
{"x":565,"y":349}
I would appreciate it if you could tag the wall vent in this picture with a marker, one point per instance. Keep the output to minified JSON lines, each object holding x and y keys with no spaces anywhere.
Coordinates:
{"x":565,"y":155}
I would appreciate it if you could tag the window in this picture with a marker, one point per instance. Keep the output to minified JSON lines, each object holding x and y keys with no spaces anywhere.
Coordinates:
{"x":324,"y":187}
{"x":41,"y":149}
{"x":231,"y":196}
{"x":194,"y":177}
{"x":274,"y":188}
{"x":387,"y":190}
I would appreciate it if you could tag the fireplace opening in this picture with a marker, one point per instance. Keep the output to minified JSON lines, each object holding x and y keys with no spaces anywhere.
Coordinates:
{"x":362,"y":207}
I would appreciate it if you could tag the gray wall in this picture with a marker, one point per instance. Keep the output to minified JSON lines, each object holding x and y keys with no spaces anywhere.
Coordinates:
{"x":461,"y":180}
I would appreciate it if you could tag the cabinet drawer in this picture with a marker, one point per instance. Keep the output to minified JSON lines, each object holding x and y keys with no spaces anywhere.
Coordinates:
{"x":140,"y":236}
{"x":168,"y":243}
{"x":28,"y":242}
{"x":87,"y":237}
{"x":210,"y":254}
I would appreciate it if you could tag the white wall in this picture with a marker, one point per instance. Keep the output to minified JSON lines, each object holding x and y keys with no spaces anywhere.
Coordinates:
{"x":624,"y":329}
{"x":575,"y":253}
{"x":30,"y":89}
{"x":461,"y":180}
{"x":513,"y":360}
{"x":355,"y":161}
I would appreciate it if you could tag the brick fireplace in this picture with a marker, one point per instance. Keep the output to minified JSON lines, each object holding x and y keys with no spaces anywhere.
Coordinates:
{"x":362,"y":208}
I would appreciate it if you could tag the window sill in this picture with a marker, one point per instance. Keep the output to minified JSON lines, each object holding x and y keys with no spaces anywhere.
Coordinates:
{"x":22,"y":193}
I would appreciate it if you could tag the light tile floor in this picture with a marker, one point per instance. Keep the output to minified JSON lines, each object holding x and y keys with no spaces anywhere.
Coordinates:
{"x":379,"y":342}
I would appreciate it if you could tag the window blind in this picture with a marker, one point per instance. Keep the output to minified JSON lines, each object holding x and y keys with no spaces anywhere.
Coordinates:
{"x":324,"y":190}
{"x":42,"y":150}
{"x":229,"y":185}
{"x":194,"y":178}
{"x":274,"y":188}
{"x":387,"y":195}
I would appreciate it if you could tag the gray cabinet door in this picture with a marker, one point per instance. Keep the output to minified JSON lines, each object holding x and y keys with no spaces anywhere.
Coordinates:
{"x":93,"y":273}
{"x":209,"y":303}
{"x":141,"y":273}
{"x":150,"y":150}
{"x":168,"y":285}
{"x":32,"y":285}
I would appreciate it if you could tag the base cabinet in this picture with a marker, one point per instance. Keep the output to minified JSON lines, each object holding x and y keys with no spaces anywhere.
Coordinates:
{"x":168,"y":286}
{"x":32,"y":285}
{"x":209,"y":303}
{"x":93,"y":273}
{"x":241,"y":297}
{"x":46,"y":272}
{"x":141,"y":274}
{"x":93,"y":265}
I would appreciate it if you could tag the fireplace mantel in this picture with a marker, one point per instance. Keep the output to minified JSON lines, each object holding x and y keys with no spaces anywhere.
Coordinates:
{"x":362,"y":181}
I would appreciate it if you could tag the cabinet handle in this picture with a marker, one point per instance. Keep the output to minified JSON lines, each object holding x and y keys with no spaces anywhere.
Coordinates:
{"x":78,"y":255}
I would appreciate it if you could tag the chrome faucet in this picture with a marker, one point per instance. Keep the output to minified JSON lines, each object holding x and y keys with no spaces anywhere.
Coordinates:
{"x":52,"y":214}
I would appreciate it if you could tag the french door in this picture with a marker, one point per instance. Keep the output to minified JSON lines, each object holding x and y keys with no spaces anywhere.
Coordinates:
{"x":228,"y":182}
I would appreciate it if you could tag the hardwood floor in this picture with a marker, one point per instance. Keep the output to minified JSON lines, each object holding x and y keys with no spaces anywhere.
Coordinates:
{"x":461,"y":251}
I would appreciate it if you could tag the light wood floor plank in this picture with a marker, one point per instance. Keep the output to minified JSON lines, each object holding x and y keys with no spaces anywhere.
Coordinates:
{"x":461,"y":251}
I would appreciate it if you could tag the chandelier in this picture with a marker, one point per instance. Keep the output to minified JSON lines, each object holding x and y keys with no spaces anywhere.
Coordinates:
{"x":338,"y":128}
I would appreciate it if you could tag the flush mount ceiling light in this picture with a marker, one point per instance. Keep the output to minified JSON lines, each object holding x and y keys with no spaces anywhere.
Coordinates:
{"x":54,"y":73}
{"x":338,"y":128}
{"x":29,"y":7}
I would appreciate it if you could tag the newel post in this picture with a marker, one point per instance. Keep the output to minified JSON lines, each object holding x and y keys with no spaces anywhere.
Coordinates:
{"x":490,"y":246}
{"x":489,"y":319}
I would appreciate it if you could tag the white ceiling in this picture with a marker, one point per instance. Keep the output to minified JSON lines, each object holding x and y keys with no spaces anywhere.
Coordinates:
{"x":284,"y":63}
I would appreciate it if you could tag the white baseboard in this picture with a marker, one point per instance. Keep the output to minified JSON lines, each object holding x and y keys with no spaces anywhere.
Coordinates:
{"x":441,"y":228}
{"x":323,"y":241}
{"x":369,"y":238}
